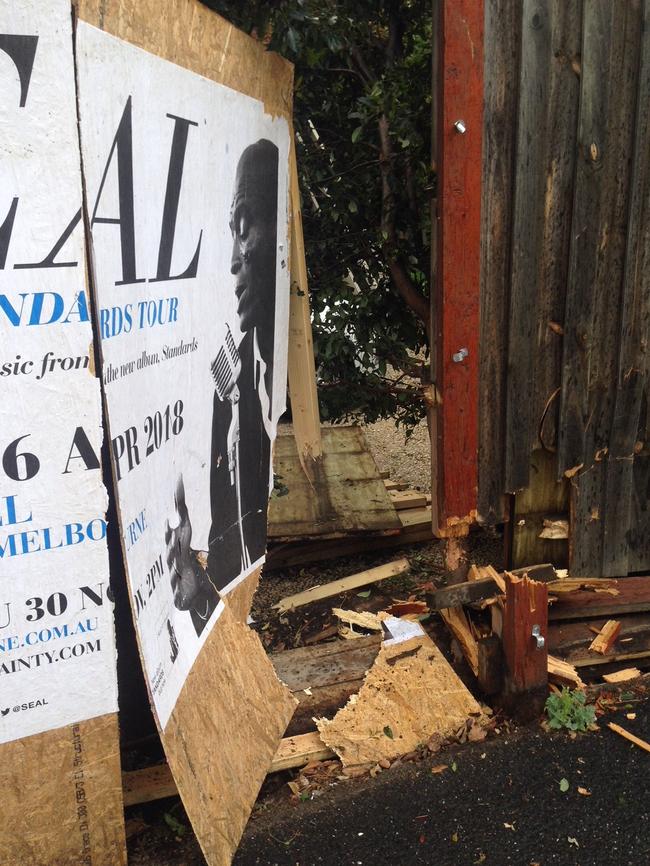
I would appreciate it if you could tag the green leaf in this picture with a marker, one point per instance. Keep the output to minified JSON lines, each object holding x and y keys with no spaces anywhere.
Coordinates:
{"x":388,"y":732}
{"x":174,"y":824}
{"x":364,"y":594}
{"x":569,"y":710}
{"x":564,"y":785}
{"x":356,"y":134}
{"x":454,"y":766}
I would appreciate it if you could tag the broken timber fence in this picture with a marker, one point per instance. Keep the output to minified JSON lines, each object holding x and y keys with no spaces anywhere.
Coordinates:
{"x":561,"y":371}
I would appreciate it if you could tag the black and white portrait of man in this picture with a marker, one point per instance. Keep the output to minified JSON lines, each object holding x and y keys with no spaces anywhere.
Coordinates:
{"x":242,"y":372}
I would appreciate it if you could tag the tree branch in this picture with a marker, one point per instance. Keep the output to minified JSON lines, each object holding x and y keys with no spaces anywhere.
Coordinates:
{"x":401,"y":280}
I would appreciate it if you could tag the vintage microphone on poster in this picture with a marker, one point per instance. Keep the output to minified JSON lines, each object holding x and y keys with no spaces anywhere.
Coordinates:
{"x":226,"y":368}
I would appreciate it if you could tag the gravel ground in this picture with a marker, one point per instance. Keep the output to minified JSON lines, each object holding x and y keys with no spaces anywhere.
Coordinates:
{"x":407,"y":460}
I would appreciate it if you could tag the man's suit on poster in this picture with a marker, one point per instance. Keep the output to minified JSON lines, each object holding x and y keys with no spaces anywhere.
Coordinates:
{"x":225,"y":552}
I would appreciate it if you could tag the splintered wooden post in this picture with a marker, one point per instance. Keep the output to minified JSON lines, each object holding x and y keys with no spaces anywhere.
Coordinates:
{"x":456,"y":558}
{"x":525,"y":651}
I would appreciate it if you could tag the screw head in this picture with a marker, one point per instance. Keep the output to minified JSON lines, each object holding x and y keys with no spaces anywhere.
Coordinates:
{"x":460,"y":127}
{"x":460,"y":355}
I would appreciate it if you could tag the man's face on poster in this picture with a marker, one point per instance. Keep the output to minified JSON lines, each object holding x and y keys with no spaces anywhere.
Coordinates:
{"x":253,"y":223}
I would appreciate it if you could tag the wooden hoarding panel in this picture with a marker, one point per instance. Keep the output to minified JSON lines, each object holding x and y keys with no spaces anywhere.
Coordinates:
{"x":546,"y":127}
{"x":187,"y":202}
{"x":59,"y":754}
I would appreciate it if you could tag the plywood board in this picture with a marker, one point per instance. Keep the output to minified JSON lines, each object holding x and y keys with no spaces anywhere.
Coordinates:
{"x":63,"y":797}
{"x":409,"y":694}
{"x":223,"y":733}
{"x":231,"y":710}
{"x":347,"y":496}
{"x":59,"y":753}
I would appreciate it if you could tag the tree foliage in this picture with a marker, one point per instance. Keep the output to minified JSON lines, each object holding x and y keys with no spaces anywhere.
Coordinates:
{"x":362,"y":122}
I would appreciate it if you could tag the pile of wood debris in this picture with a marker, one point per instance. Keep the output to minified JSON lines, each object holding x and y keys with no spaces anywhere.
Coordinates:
{"x":373,"y":679}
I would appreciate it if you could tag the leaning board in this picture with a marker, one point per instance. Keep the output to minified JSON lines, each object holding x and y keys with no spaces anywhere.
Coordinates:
{"x":346,"y":494}
{"x":222,"y":720}
{"x":59,"y":749}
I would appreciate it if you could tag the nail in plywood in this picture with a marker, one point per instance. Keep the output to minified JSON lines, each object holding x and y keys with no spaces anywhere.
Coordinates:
{"x":344,"y":495}
{"x":336,"y":587}
{"x":410,"y":693}
{"x":606,"y":638}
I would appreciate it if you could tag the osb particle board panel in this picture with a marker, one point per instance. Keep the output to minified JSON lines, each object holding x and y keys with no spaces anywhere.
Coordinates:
{"x":223,"y":734}
{"x":410,"y":693}
{"x":346,"y":496}
{"x":75,"y":799}
{"x":191,"y":35}
{"x":232,"y":711}
{"x":241,"y":597}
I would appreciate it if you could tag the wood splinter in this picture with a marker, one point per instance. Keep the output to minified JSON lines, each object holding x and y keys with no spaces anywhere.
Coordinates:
{"x":606,"y":637}
{"x":642,"y":744}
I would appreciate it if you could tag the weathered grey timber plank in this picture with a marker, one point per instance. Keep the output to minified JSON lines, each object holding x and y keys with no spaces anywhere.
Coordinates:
{"x":545,"y":169}
{"x":638,"y":536}
{"x":502,"y":29}
{"x":623,"y":541}
{"x":610,"y":56}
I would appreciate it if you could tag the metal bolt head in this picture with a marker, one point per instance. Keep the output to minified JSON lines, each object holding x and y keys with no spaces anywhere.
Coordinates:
{"x":460,"y":355}
{"x":460,"y":127}
{"x":539,"y":638}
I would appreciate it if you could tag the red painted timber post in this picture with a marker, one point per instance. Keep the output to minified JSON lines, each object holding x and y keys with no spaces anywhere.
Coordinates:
{"x":458,"y":101}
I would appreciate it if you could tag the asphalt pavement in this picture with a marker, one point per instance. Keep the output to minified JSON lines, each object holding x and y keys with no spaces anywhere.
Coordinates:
{"x":502,"y":803}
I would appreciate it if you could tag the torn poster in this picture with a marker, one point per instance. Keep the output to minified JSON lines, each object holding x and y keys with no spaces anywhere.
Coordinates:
{"x":57,"y":648}
{"x":187,"y":186}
